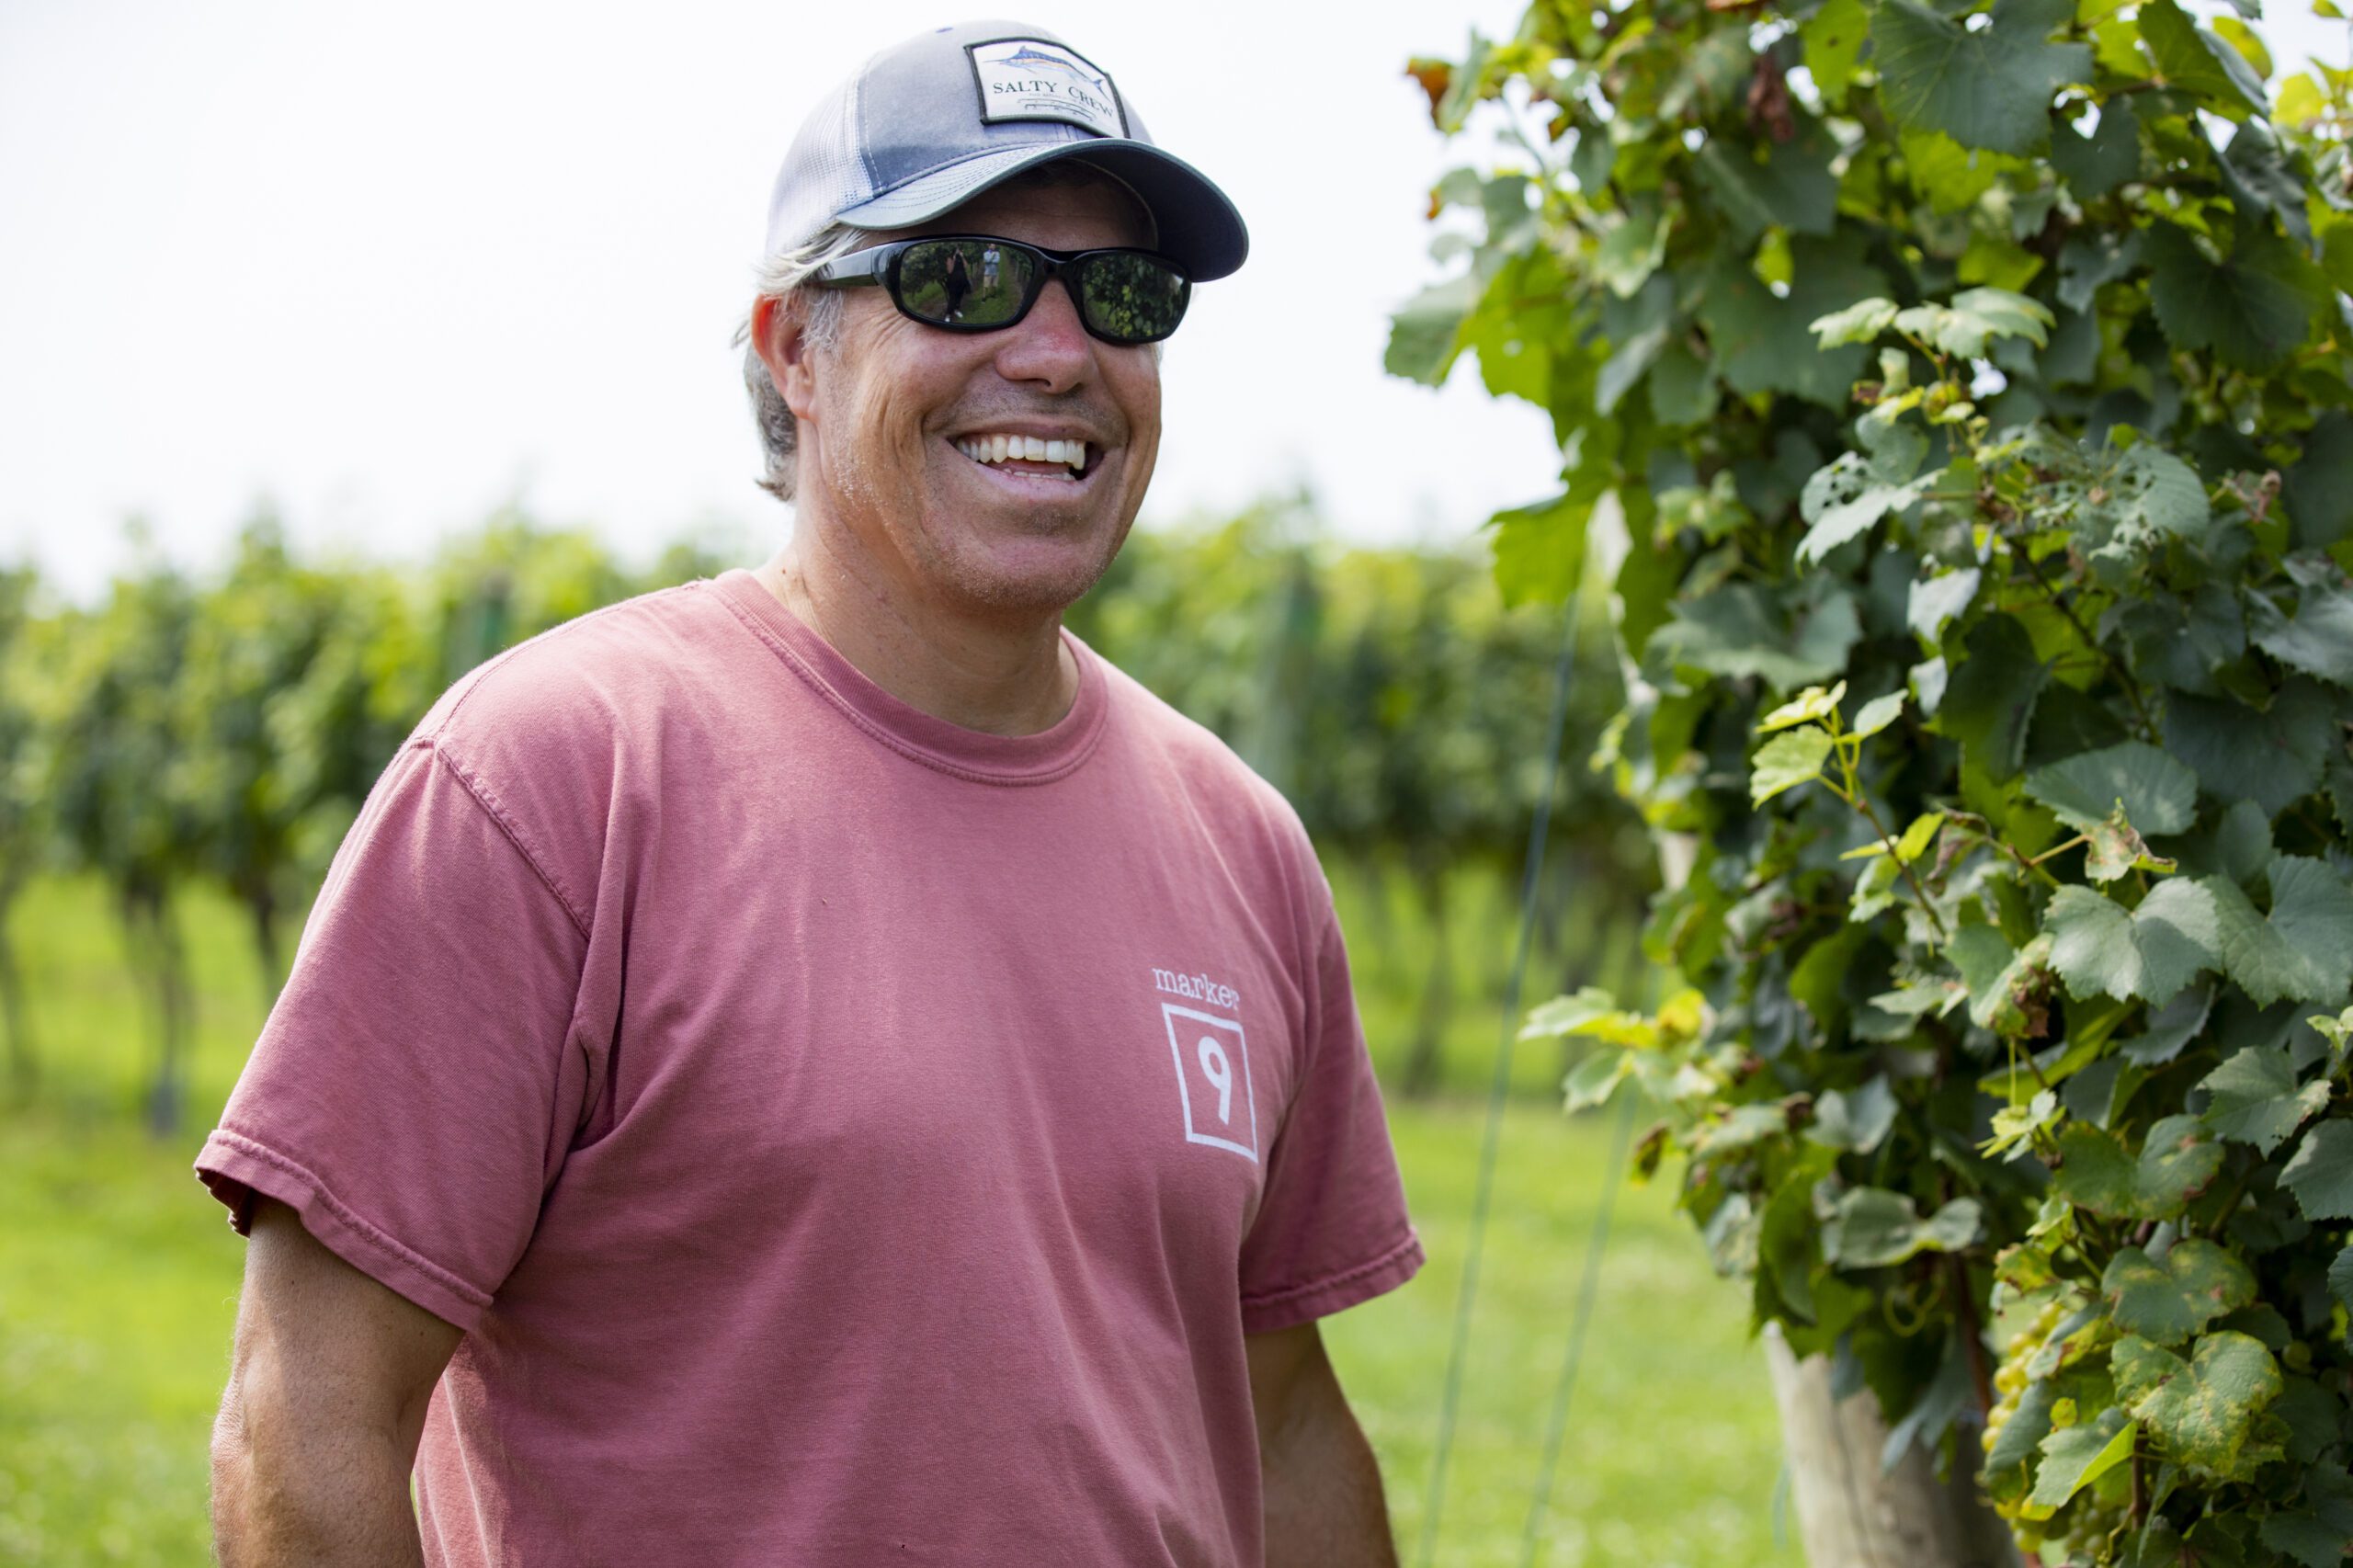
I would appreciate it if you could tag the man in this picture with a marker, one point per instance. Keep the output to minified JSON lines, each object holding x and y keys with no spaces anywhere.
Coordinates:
{"x":815,"y":1067}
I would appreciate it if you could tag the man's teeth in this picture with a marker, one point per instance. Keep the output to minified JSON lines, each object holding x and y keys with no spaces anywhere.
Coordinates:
{"x":1003,"y":448}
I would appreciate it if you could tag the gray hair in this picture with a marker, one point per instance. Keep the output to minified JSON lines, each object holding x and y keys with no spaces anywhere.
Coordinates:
{"x":784,"y":277}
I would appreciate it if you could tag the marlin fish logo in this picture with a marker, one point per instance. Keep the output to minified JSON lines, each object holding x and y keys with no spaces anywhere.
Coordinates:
{"x":1039,"y":60}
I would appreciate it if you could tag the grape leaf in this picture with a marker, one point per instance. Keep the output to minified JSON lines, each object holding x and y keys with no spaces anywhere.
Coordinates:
{"x":2340,"y":1279}
{"x":1855,"y":491}
{"x":1975,"y":316}
{"x":2319,"y":489}
{"x":2273,"y":757}
{"x":2304,"y":951}
{"x":1791,"y":190}
{"x":2115,"y":846}
{"x":1833,"y":36}
{"x":1854,"y":1119}
{"x":1790,"y":758}
{"x":2319,"y":1534}
{"x":1682,"y":386}
{"x":1763,"y":341}
{"x":2074,"y":1457}
{"x":2251,"y":311}
{"x":1813,"y":703}
{"x":2317,"y":641}
{"x":2320,"y":1172}
{"x":1873,"y":1228}
{"x":2168,"y":1028}
{"x":1990,"y":88}
{"x":2092,"y":258}
{"x":2160,"y":795}
{"x":2194,"y":60}
{"x":1426,"y":334}
{"x":2098,"y":164}
{"x":2098,"y":947}
{"x":1858,"y":323}
{"x":1989,"y":695}
{"x":2178,"y":1161}
{"x":1740,"y":630}
{"x":1877,"y":715}
{"x":2165,"y":1299}
{"x":1935,"y":600}
{"x":2203,"y":1409}
{"x":2254,"y":1098}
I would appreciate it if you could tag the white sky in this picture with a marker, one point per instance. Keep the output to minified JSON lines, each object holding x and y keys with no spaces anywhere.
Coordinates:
{"x":393,"y":267}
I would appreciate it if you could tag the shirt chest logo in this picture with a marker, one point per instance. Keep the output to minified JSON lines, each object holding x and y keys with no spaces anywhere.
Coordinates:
{"x":1212,"y":1062}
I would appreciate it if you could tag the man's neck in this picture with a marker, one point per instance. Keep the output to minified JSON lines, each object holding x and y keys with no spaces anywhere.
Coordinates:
{"x":1000,"y":677}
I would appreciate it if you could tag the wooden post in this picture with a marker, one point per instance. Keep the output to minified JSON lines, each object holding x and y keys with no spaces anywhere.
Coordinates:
{"x":1851,"y":1515}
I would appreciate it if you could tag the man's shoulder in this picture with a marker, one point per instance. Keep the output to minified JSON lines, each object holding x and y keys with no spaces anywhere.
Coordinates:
{"x":555,"y":724}
{"x":1216,"y":777}
{"x":588,"y":677}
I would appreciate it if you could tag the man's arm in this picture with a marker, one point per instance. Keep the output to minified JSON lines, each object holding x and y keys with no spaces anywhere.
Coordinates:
{"x":327,"y":1390}
{"x":1325,"y":1507}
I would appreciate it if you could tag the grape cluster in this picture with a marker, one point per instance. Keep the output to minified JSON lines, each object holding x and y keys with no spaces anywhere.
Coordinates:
{"x":2087,"y":1531}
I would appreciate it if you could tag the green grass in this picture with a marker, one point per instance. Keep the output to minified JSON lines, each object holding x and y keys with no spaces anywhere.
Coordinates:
{"x":118,"y":1281}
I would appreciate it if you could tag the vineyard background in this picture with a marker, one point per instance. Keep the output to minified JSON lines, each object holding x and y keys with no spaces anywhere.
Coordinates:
{"x":178,"y":759}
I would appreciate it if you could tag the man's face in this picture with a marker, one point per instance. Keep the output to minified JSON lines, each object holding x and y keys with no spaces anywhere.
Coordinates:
{"x":890,"y":410}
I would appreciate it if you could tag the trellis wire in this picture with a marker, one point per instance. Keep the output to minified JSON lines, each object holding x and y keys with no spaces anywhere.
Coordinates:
{"x":1539,"y":828}
{"x":1556,"y":1425}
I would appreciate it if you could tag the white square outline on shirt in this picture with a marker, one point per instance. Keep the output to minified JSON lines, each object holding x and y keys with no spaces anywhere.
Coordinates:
{"x":1169,"y":1014}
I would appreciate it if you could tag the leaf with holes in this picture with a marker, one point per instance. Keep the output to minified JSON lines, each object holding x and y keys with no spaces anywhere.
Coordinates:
{"x":1854,"y":492}
{"x":2254,"y":1098}
{"x":2203,"y":1410}
{"x":2165,"y":1299}
{"x":1990,"y":88}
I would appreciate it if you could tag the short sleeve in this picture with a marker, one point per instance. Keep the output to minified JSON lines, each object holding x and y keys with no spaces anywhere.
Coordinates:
{"x":1332,"y":1227}
{"x":414,"y":1090}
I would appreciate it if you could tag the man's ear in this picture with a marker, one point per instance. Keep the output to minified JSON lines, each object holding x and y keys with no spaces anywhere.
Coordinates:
{"x":783,"y":343}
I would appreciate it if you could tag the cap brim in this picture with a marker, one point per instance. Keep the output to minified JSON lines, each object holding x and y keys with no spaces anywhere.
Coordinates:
{"x":1198,"y":226}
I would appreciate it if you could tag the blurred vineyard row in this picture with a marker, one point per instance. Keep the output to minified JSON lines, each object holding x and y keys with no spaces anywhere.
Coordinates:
{"x":215,"y":735}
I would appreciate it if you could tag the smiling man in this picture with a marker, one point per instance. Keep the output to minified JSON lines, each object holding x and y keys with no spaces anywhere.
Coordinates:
{"x":815,"y":1066}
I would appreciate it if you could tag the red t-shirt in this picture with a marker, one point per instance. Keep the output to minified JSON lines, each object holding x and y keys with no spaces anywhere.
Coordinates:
{"x":844,"y":1138}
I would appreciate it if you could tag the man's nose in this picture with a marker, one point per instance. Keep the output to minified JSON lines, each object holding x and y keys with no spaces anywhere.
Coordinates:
{"x":1050,"y":346}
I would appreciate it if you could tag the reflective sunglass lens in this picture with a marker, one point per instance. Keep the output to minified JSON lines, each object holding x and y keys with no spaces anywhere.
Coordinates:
{"x":1131,"y":298}
{"x":963,"y":282}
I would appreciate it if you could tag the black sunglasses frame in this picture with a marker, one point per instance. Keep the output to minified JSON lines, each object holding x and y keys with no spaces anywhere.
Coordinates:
{"x":878,"y":266}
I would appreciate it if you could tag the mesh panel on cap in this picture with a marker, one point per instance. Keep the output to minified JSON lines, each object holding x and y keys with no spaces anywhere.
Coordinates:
{"x":825,"y":173}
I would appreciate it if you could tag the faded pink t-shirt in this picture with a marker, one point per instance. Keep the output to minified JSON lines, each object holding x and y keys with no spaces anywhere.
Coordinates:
{"x":843,"y":1136}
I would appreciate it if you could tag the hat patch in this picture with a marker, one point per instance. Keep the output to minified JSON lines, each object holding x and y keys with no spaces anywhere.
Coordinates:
{"x":1027,"y":78}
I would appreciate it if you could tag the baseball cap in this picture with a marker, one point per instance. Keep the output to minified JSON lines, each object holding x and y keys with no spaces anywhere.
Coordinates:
{"x":930,"y":123}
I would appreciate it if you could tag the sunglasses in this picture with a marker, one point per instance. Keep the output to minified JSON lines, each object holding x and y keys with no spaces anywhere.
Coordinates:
{"x":976,"y":283}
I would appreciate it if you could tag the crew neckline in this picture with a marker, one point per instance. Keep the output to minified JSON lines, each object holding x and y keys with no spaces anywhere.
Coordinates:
{"x":950,"y":748}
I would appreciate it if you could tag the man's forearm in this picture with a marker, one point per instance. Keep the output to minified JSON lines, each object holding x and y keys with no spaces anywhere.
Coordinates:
{"x":1324,"y":1502}
{"x":334,"y":1500}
